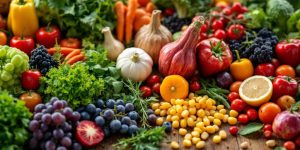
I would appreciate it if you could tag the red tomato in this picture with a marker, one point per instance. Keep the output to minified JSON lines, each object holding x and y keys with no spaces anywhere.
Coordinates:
{"x":88,"y":133}
{"x":151,"y":80}
{"x":204,"y":28}
{"x":31,"y":79}
{"x":217,"y":24}
{"x":147,"y":92}
{"x":297,"y":141}
{"x":236,"y":31}
{"x":289,"y":145}
{"x":244,"y":9}
{"x":266,"y":69}
{"x":169,"y":11}
{"x":195,"y":86}
{"x":268,"y":134}
{"x":156,"y":88}
{"x":143,"y":2}
{"x":71,"y":43}
{"x":25,"y":44}
{"x":243,"y":118}
{"x":233,"y":96}
{"x":2,"y":23}
{"x":203,"y":36}
{"x":252,"y":114}
{"x":3,"y":38}
{"x":233,"y":130}
{"x":48,"y":36}
{"x":237,"y":7}
{"x":267,"y":127}
{"x":227,"y":11}
{"x":238,"y":105}
{"x":220,"y":34}
{"x":275,"y":63}
{"x":240,"y":17}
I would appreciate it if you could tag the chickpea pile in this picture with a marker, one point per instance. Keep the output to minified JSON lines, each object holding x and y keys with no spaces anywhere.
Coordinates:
{"x":195,"y":118}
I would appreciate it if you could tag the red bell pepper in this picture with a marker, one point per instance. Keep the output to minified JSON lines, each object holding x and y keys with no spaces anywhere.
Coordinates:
{"x":214,"y":56}
{"x":284,"y":85}
{"x":288,"y":52}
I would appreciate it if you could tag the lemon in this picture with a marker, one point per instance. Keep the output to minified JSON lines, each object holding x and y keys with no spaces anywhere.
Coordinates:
{"x":256,"y":90}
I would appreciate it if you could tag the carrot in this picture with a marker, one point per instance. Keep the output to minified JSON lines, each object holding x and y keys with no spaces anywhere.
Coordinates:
{"x":120,"y":11}
{"x":150,"y":7}
{"x":132,"y":6}
{"x":141,"y":22}
{"x":75,"y":59}
{"x":72,"y":54}
{"x":139,"y":13}
{"x":63,"y":50}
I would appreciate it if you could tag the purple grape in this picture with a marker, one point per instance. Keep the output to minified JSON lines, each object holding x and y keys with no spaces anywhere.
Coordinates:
{"x":224,"y":79}
{"x":58,"y":118}
{"x":126,"y":120}
{"x":58,"y":105}
{"x":108,"y":114}
{"x":38,"y":116}
{"x":58,"y":133}
{"x":66,"y":127}
{"x":66,"y":141}
{"x":47,"y":135}
{"x":132,"y":129}
{"x":44,"y":127}
{"x":75,"y":116}
{"x":38,"y":134}
{"x":67,"y":112}
{"x":152,"y":119}
{"x":61,"y":148}
{"x":53,"y":99}
{"x":90,"y":108}
{"x":49,"y":109}
{"x":69,"y":134}
{"x":65,"y":104}
{"x":129,"y":107}
{"x":33,"y":125}
{"x":50,"y":145}
{"x":133,"y":115}
{"x":76,"y":146}
{"x":33,"y":143}
{"x":150,"y":111}
{"x":39,"y":108}
{"x":124,"y":129}
{"x":46,"y":118}
{"x":100,"y":121}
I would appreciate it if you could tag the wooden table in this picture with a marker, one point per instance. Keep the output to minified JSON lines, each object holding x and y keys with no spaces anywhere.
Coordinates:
{"x":231,"y":143}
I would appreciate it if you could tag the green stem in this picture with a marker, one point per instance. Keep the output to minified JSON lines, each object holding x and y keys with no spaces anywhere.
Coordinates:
{"x":238,"y":56}
{"x":48,"y":28}
{"x":22,"y":2}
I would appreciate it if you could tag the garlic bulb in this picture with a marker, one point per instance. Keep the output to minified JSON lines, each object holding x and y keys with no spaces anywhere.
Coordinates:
{"x":113,"y":46}
{"x":153,"y":37}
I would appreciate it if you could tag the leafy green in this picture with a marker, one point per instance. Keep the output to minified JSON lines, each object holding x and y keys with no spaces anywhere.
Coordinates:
{"x":149,"y":139}
{"x":256,"y":19}
{"x":251,"y":128}
{"x":279,"y":148}
{"x":294,"y":22}
{"x":14,"y":121}
{"x":74,"y":84}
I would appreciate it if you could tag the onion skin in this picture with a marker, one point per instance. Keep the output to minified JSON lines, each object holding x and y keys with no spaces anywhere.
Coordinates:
{"x":286,"y":125}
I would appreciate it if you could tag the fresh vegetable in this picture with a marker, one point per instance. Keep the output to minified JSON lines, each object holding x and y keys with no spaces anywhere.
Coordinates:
{"x":233,"y":130}
{"x":72,"y":54}
{"x":285,"y":102}
{"x":241,"y":69}
{"x":113,"y":46}
{"x":135,"y":64}
{"x":89,"y":134}
{"x":268,"y":111}
{"x":256,"y":90}
{"x":153,"y":37}
{"x":232,"y":96}
{"x":31,"y":99}
{"x":235,"y":86}
{"x":256,"y":19}
{"x":3,"y":38}
{"x":213,"y":56}
{"x":293,"y":22}
{"x":220,"y":34}
{"x":75,"y":59}
{"x":251,"y":128}
{"x":30,"y":79}
{"x":283,"y":85}
{"x":147,"y":92}
{"x":288,"y":52}
{"x":20,"y":12}
{"x":61,"y":80}
{"x":48,"y":36}
{"x":156,"y":88}
{"x":297,"y":141}
{"x":64,"y":51}
{"x":266,"y":69}
{"x":238,"y":105}
{"x":14,"y":122}
{"x":285,"y":70}
{"x":224,"y":79}
{"x":236,"y":32}
{"x":179,"y":57}
{"x":70,"y":43}
{"x":252,"y":114}
{"x":25,"y":44}
{"x":153,"y":79}
{"x":268,"y":134}
{"x":195,"y":86}
{"x":185,"y":8}
{"x":267,"y":127}
{"x":286,"y":125}
{"x":3,"y":23}
{"x":132,"y":6}
{"x":174,"y":87}
{"x":120,"y":9}
{"x":142,"y":17}
{"x":275,"y":62}
{"x":289,"y":145}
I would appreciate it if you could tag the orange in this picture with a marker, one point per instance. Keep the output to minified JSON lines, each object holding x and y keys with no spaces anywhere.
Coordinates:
{"x":174,"y":86}
{"x":256,"y":90}
{"x":267,"y":112}
{"x":234,"y":87}
{"x":285,"y":102}
{"x":285,"y":70}
{"x":3,"y":38}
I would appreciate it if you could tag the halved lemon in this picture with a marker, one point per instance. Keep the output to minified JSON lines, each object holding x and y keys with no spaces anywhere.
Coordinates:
{"x":256,"y":90}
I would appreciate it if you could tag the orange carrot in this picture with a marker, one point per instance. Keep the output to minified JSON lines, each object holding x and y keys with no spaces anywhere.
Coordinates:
{"x":132,"y":6}
{"x":75,"y":59}
{"x":63,"y":50}
{"x":120,"y":11}
{"x":72,"y":54}
{"x":150,"y":7}
{"x":141,"y":22}
{"x":139,"y":13}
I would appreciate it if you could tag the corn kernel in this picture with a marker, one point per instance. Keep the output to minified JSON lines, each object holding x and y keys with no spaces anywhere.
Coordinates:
{"x":207,"y":113}
{"x":199,"y":119}
{"x":159,"y":121}
{"x":186,"y":103}
{"x":175,"y":118}
{"x":218,"y":115}
{"x":175,"y":124}
{"x":201,"y":113}
{"x":217,"y":122}
{"x":209,"y":104}
{"x":211,"y":118}
{"x":165,"y":105}
{"x":185,"y":114}
{"x":200,"y":125}
{"x":214,"y":107}
{"x":223,"y":134}
{"x":179,"y":102}
{"x":204,"y":135}
{"x":195,"y":134}
{"x":157,"y":112}
{"x":193,"y":110}
{"x":182,"y":131}
{"x":216,"y":128}
{"x":206,"y":121}
{"x":232,"y":120}
{"x":173,"y":101}
{"x":174,"y":145}
{"x":163,"y":113}
{"x":191,"y":95}
{"x":217,"y":139}
{"x":187,"y":143}
{"x":233,"y":113}
{"x":188,"y":136}
{"x":198,"y":106}
{"x":198,"y":129}
{"x":179,"y":109}
{"x":212,"y":112}
{"x":155,"y":106}
{"x":169,"y":118}
{"x":219,"y":107}
{"x":172,"y":111}
{"x":223,"y":111}
{"x":190,"y":122}
{"x":192,"y":103}
{"x":193,"y":117}
{"x":210,"y":129}
{"x":225,"y":119}
{"x":213,"y":101}
{"x":183,"y":123}
{"x":195,"y":140}
{"x":200,"y":145}
{"x":184,"y":107}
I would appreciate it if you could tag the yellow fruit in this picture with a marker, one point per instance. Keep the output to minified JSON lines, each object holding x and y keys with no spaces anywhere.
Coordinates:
{"x":183,"y":123}
{"x":210,"y":129}
{"x":233,"y":113}
{"x":169,"y":118}
{"x":159,"y":121}
{"x":256,"y":90}
{"x":175,"y":124}
{"x":217,"y":139}
{"x":232,"y":121}
{"x":163,"y":113}
{"x":223,"y":134}
{"x":182,"y":131}
{"x":195,"y":134}
{"x":223,"y":111}
{"x":201,"y":113}
{"x":195,"y":140}
{"x":200,"y":144}
{"x":190,"y":122}
{"x":185,"y":114}
{"x":174,"y":118}
{"x":217,"y":122}
{"x":174,"y":145}
{"x":187,"y":143}
{"x":155,"y":106}
{"x":192,"y":110}
{"x":204,"y":135}
{"x":157,"y":112}
{"x":188,"y":136}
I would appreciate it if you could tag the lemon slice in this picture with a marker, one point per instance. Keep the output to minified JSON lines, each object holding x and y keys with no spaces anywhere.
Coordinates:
{"x":256,"y":90}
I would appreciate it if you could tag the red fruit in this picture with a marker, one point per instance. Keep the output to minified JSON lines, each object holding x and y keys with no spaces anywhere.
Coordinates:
{"x":31,"y":79}
{"x":169,"y":11}
{"x":268,"y":134}
{"x":297,"y":141}
{"x":233,"y":130}
{"x":227,"y":11}
{"x":195,"y":86}
{"x":203,"y":28}
{"x":151,"y":80}
{"x":289,"y":145}
{"x":233,"y":96}
{"x":240,"y":17}
{"x":237,"y":7}
{"x":236,"y":31}
{"x":147,"y":92}
{"x":267,"y":127}
{"x":275,"y":63}
{"x":252,"y":114}
{"x":89,"y":134}
{"x":244,"y":9}
{"x":25,"y":44}
{"x":286,"y":125}
{"x":266,"y":69}
{"x":203,"y":36}
{"x":217,"y":24}
{"x":243,"y":119}
{"x":48,"y":36}
{"x":156,"y":88}
{"x":71,"y":43}
{"x":220,"y":34}
{"x":238,"y":105}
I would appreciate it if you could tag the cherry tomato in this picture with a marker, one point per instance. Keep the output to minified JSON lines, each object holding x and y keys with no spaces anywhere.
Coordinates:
{"x":285,"y":102}
{"x":266,"y":69}
{"x":289,"y":145}
{"x":147,"y":92}
{"x":143,"y":2}
{"x":203,"y":36}
{"x":31,"y":99}
{"x":234,"y":87}
{"x":267,"y":127}
{"x":227,"y":11}
{"x":31,"y":79}
{"x":275,"y":63}
{"x":203,"y":28}
{"x":285,"y":70}
{"x":243,"y":118}
{"x":268,"y":134}
{"x":217,"y":24}
{"x":236,"y":31}
{"x":220,"y":34}
{"x":240,"y":17}
{"x":233,"y":96}
{"x":195,"y":86}
{"x":267,"y":112}
{"x":252,"y":114}
{"x":169,"y":11}
{"x":71,"y":43}
{"x":151,"y":80}
{"x":238,"y":105}
{"x":233,"y":130}
{"x":297,"y":141}
{"x":25,"y":44}
{"x":48,"y":36}
{"x":156,"y":88}
{"x":3,"y":38}
{"x":237,"y":7}
{"x":244,"y":9}
{"x":2,"y":23}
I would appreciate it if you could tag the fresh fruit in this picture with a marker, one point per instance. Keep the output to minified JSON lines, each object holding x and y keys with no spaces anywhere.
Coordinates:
{"x":235,"y":31}
{"x":48,"y":36}
{"x":267,"y":127}
{"x":286,"y":125}
{"x":220,"y":34}
{"x":71,"y":43}
{"x":285,"y":70}
{"x":285,"y":102}
{"x":238,"y":105}
{"x":233,"y":96}
{"x":252,"y":114}
{"x":195,"y":86}
{"x":289,"y":145}
{"x":243,"y":118}
{"x":147,"y":92}
{"x":241,"y":69}
{"x":153,"y":79}
{"x":224,"y":79}
{"x":3,"y":38}
{"x":31,"y":99}
{"x":268,"y":111}
{"x":156,"y":88}
{"x":25,"y":44}
{"x":235,"y":86}
{"x":217,"y":24}
{"x":237,"y":7}
{"x":169,"y":12}
{"x":275,"y":62}
{"x":266,"y":69}
{"x":174,"y":86}
{"x":89,"y":134}
{"x":284,"y":85}
{"x":268,"y":134}
{"x":256,"y":90}
{"x":31,"y":79}
{"x":233,"y":130}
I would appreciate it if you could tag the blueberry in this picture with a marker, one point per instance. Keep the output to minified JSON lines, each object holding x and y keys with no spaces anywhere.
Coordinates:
{"x":90,"y":108}
{"x":133,"y":115}
{"x":149,"y":112}
{"x":129,"y":107}
{"x":120,"y":102}
{"x":152,"y":119}
{"x":168,"y":126}
{"x":100,"y":121}
{"x":80,"y":109}
{"x":109,"y":114}
{"x":110,"y":103}
{"x":125,"y":120}
{"x":133,"y":122}
{"x":85,"y":116}
{"x":124,"y":129}
{"x":106,"y":131}
{"x":115,"y":125}
{"x":98,"y":111}
{"x":132,"y":129}
{"x":100,"y":103}
{"x":121,"y":109}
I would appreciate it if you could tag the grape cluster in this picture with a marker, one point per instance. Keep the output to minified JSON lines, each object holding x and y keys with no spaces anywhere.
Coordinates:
{"x":41,"y":60}
{"x":113,"y":116}
{"x":174,"y":24}
{"x":52,"y":126}
{"x":240,"y":45}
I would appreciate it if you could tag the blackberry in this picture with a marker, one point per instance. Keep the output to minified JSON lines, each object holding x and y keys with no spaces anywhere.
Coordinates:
{"x":240,"y":45}
{"x":174,"y":24}
{"x":41,"y":60}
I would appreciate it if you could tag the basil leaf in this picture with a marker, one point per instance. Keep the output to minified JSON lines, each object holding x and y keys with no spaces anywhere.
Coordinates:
{"x":251,"y":128}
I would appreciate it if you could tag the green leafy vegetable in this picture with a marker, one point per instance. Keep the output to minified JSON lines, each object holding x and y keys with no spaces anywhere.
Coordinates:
{"x":149,"y":139}
{"x":251,"y":128}
{"x":279,"y":148}
{"x":14,"y":121}
{"x":256,"y":19}
{"x":294,"y":22}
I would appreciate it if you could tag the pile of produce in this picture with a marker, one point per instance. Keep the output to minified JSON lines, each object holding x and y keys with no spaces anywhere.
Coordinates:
{"x":136,"y":71}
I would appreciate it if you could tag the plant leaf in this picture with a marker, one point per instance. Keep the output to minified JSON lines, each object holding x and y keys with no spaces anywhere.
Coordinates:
{"x":279,"y":148}
{"x":251,"y":128}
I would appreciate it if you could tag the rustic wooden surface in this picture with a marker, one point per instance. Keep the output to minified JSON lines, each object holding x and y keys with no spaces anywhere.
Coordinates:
{"x":231,"y":143}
